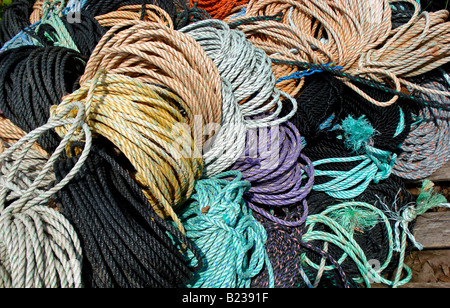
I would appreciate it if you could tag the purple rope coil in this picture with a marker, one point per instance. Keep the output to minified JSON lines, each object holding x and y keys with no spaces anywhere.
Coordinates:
{"x":276,"y":168}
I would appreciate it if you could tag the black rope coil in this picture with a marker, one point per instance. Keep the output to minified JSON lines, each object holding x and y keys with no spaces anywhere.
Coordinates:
{"x":15,"y":18}
{"x":126,"y":244}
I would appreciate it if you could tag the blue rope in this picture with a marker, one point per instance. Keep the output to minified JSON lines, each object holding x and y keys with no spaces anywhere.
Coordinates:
{"x":230,"y":240}
{"x":308,"y":72}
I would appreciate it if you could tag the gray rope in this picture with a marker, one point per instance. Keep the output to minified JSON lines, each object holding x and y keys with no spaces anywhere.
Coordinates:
{"x":39,"y":248}
{"x":248,"y":69}
{"x":249,"y":90}
{"x":427,"y":147}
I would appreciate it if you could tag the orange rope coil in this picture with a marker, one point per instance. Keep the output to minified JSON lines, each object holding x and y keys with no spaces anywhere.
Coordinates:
{"x":356,"y":35}
{"x":219,"y":9}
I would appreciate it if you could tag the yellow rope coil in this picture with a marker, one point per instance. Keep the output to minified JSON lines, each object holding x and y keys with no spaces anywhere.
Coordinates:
{"x":146,"y":123}
{"x":156,"y":54}
{"x":153,"y":13}
{"x":10,"y":134}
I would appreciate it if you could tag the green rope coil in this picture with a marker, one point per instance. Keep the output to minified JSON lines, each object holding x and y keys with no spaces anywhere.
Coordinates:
{"x":230,"y":240}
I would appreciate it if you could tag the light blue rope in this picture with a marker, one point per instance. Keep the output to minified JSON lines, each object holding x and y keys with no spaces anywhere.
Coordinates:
{"x":375,"y":164}
{"x":230,"y":240}
{"x":401,"y":125}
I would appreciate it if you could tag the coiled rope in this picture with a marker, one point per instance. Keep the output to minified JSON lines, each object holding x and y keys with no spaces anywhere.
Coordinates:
{"x":96,"y":8}
{"x":344,"y":170}
{"x":219,"y":9}
{"x":426,"y":148}
{"x":33,"y":79}
{"x":363,"y":216}
{"x":10,"y":134}
{"x":274,"y":165}
{"x":14,"y":19}
{"x":247,"y":71}
{"x":38,"y":245}
{"x":156,"y":54}
{"x":229,"y":238}
{"x":135,"y":12}
{"x":359,"y":38}
{"x":127,"y":245}
{"x":141,"y":120}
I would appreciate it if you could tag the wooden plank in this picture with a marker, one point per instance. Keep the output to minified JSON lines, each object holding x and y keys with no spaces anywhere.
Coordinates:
{"x":432,"y":230}
{"x":442,"y":175}
{"x":425,"y":285}
{"x":417,"y":285}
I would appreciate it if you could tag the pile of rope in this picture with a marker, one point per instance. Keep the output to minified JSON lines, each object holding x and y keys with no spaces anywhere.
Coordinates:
{"x":218,"y":144}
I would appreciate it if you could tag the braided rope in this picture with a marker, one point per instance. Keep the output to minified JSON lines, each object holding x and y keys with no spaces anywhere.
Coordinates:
{"x":232,"y":242}
{"x":356,"y":35}
{"x":38,"y":246}
{"x":156,"y":54}
{"x":142,"y":121}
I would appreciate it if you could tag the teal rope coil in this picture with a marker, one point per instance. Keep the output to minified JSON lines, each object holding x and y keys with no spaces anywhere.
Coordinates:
{"x":221,"y":226}
{"x":374,"y":165}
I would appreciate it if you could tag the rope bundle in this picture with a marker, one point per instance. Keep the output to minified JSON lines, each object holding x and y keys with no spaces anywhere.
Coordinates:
{"x":10,"y":134}
{"x":356,"y":35}
{"x":348,"y":219}
{"x":426,"y":147}
{"x":219,"y":223}
{"x":127,"y":245}
{"x":217,"y":143}
{"x":140,"y":49}
{"x":134,"y":12}
{"x":38,"y":246}
{"x":246,"y":68}
{"x":100,"y":7}
{"x":219,"y":9}
{"x":14,"y":20}
{"x":33,"y":79}
{"x":248,"y":72}
{"x":274,"y":165}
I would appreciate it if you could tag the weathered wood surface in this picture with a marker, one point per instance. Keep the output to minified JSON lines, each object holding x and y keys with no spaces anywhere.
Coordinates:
{"x":441,"y":175}
{"x":432,"y":230}
{"x":417,"y":285}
